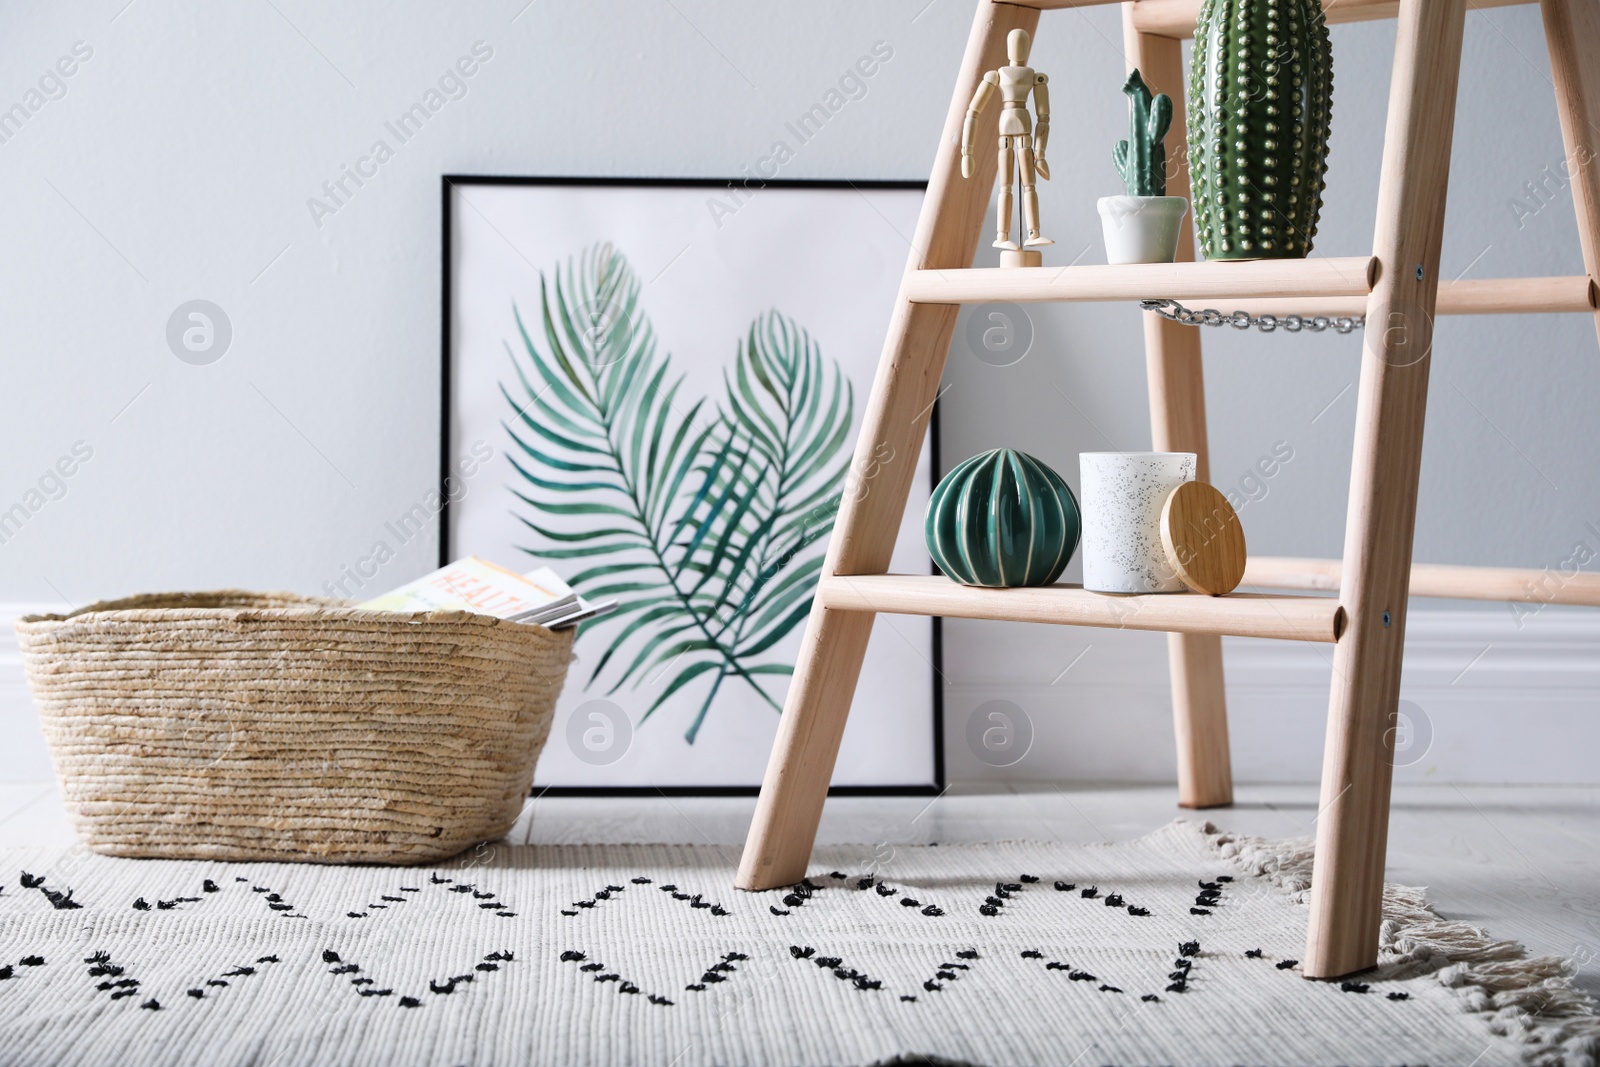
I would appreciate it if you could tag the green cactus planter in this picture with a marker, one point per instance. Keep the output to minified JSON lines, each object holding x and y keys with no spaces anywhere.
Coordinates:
{"x":1260,"y":96}
{"x":1002,"y":519}
{"x":1143,"y":226}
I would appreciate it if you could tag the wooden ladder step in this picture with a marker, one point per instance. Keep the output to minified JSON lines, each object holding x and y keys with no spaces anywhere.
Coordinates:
{"x":1478,"y":296}
{"x":1327,"y":276}
{"x":1559,"y":584}
{"x":1286,"y":618}
{"x":1176,"y":18}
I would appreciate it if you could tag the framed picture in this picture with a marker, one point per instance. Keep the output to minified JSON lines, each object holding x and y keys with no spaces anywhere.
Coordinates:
{"x":654,"y":387}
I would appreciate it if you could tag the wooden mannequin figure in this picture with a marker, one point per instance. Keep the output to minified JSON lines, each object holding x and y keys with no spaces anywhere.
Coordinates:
{"x":1020,"y":144}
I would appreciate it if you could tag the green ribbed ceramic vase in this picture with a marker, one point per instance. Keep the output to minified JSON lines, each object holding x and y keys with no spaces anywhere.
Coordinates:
{"x":1002,"y":519}
{"x":1260,"y":98}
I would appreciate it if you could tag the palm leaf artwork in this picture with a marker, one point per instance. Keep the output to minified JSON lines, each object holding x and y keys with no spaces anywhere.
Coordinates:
{"x":702,"y":521}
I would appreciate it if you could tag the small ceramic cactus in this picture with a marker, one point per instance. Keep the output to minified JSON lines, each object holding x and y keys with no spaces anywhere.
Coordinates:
{"x":1142,"y":158}
{"x":1261,"y":93}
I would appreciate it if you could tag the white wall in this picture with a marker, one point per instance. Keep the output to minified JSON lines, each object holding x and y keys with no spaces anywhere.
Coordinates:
{"x":179,"y":162}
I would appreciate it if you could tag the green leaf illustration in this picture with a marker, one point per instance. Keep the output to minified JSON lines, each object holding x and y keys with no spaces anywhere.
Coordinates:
{"x":706,"y":521}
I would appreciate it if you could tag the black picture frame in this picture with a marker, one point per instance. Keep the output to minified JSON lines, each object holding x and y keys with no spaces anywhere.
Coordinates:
{"x":446,"y":396}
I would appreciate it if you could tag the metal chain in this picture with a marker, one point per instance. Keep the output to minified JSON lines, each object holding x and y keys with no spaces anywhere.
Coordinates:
{"x":1242,"y":320}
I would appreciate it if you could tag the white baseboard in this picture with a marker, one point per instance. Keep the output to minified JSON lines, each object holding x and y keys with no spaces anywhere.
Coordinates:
{"x":1499,"y":702}
{"x":1495,"y":702}
{"x":23,"y":756}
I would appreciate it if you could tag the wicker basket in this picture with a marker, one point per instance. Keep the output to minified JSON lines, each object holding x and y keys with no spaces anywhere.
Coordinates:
{"x":245,"y":726}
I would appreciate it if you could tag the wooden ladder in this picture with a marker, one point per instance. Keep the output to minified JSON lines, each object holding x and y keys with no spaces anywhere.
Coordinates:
{"x":1398,"y":290}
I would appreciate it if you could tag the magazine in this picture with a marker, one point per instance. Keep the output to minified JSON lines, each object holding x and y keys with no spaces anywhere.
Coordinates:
{"x":539,"y":597}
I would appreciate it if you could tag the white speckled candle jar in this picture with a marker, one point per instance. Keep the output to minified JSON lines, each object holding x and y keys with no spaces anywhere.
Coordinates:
{"x":1121,"y":496}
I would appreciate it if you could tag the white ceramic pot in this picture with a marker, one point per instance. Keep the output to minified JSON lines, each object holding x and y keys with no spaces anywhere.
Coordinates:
{"x":1121,"y":495}
{"x":1141,"y":229}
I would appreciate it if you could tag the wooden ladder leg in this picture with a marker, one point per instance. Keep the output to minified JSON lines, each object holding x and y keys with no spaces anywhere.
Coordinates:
{"x":1178,"y":424}
{"x":896,"y":419}
{"x":1572,"y":33}
{"x":1353,"y":817}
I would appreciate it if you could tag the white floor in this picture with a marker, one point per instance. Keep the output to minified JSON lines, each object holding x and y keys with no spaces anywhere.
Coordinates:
{"x":1523,"y":862}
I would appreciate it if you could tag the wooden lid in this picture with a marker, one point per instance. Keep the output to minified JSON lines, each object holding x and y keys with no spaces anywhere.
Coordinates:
{"x":1203,"y":538}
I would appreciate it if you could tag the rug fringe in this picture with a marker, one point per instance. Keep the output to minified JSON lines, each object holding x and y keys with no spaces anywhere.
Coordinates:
{"x":1529,"y":999}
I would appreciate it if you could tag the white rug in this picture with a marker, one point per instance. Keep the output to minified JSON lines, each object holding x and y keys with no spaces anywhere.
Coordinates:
{"x":1177,"y":948}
